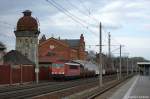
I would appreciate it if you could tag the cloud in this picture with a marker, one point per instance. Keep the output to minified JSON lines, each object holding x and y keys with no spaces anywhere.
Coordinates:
{"x":115,"y":13}
{"x":118,"y":16}
{"x":111,"y":15}
{"x":136,"y":46}
{"x":134,"y":42}
{"x":146,"y":27}
{"x":113,"y":6}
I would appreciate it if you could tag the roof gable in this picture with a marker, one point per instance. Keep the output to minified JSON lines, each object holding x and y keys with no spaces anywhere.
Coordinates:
{"x":15,"y":57}
{"x":58,"y":41}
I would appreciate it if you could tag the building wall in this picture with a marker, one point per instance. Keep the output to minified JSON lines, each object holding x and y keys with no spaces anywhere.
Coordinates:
{"x":73,"y":54}
{"x":26,"y":43}
{"x":82,"y":55}
{"x":56,"y":48}
{"x":53,"y":48}
{"x":27,"y":46}
{"x":81,"y":50}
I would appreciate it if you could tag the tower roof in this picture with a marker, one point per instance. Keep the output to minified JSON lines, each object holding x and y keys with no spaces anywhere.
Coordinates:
{"x":27,"y":22}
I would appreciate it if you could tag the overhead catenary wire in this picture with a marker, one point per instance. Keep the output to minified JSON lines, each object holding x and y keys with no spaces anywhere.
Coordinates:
{"x":83,"y":21}
{"x":60,"y":9}
{"x":84,"y":6}
{"x":87,"y":27}
{"x":82,"y":12}
{"x":70,"y":15}
{"x":117,"y":44}
{"x":88,"y":10}
{"x":74,"y":6}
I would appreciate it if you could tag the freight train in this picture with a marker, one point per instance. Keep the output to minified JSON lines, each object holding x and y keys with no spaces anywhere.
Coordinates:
{"x":70,"y":70}
{"x":75,"y":69}
{"x":65,"y":70}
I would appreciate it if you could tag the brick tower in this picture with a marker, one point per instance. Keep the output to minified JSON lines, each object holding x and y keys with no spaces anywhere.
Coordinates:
{"x":27,"y":39}
{"x":27,"y":36}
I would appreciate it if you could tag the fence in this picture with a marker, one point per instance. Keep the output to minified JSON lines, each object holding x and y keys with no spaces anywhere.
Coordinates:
{"x":16,"y":74}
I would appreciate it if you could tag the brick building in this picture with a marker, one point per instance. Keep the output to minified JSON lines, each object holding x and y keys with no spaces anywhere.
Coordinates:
{"x":53,"y":49}
{"x":16,"y":68}
{"x":66,"y":49}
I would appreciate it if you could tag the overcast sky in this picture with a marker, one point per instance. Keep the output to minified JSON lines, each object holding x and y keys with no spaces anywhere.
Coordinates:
{"x":128,"y":21}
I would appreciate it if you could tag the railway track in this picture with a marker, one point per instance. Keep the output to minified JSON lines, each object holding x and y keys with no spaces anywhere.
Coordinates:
{"x":33,"y":85}
{"x":37,"y":90}
{"x":20,"y":87}
{"x":108,"y":87}
{"x":105,"y":88}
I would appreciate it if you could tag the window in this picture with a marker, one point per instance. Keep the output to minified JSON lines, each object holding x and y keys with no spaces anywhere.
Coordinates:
{"x":57,"y":65}
{"x":51,"y":47}
{"x":26,"y":40}
{"x":51,"y":54}
{"x":73,"y":67}
{"x":31,"y":41}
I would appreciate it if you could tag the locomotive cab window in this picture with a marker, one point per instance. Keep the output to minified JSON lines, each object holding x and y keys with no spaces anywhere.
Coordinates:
{"x":73,"y":67}
{"x":57,"y":65}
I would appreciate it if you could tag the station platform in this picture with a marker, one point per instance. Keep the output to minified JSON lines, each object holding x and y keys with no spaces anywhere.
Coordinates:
{"x":136,"y":88}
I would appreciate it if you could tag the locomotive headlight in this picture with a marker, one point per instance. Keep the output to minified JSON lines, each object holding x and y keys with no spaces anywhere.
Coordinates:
{"x":52,"y":72}
{"x":62,"y":72}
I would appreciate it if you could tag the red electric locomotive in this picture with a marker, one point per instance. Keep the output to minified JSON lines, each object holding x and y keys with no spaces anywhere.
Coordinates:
{"x":65,"y":70}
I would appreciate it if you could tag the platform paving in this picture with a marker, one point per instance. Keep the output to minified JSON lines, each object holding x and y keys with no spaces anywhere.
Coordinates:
{"x":136,"y":88}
